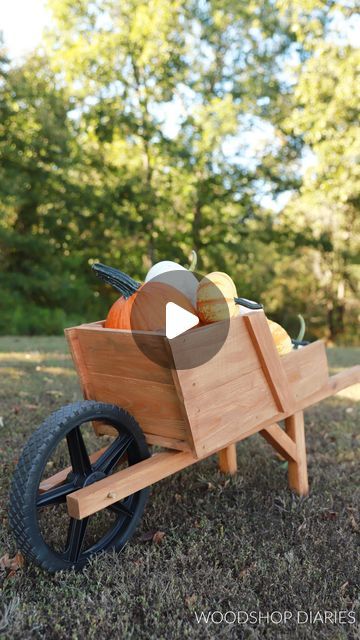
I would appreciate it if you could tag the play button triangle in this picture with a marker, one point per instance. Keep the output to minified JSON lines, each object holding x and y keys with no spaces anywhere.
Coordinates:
{"x":178,"y":320}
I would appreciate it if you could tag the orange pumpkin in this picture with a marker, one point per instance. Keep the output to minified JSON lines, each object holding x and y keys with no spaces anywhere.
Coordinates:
{"x":145,"y":310}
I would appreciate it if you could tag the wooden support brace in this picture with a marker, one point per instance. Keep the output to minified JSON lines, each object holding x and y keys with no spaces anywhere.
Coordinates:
{"x":297,"y":470}
{"x":270,"y":361}
{"x":228,"y":460}
{"x":280,"y":441}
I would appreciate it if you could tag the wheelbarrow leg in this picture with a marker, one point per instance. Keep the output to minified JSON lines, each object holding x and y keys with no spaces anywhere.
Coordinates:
{"x":297,"y":470}
{"x":227,"y":460}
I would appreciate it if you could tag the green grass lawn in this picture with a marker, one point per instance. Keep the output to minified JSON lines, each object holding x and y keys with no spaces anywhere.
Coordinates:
{"x":244,"y":543}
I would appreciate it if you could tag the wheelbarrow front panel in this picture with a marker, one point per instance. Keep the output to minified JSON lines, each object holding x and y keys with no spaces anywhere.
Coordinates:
{"x":113,"y":369}
{"x":307,"y":370}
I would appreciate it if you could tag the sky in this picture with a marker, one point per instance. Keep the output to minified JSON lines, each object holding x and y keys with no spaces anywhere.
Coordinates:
{"x":21,"y":23}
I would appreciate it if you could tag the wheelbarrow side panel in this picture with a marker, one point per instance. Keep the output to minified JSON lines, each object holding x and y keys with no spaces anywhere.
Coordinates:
{"x":113,"y":369}
{"x":244,"y":389}
{"x":245,"y":384}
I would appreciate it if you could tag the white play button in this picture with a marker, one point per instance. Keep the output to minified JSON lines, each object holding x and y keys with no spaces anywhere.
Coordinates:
{"x":178,"y":320}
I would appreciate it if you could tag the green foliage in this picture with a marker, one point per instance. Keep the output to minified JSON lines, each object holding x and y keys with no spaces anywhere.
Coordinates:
{"x":325,"y":114}
{"x":147,"y":129}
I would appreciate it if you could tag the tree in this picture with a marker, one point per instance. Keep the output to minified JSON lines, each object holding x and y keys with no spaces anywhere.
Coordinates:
{"x":214,"y":66}
{"x":151,"y":128}
{"x":325,"y":211}
{"x":46,"y":211}
{"x":325,"y":101}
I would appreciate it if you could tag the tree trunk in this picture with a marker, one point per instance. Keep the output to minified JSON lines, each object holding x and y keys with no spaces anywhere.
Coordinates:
{"x":335,"y":319}
{"x":196,"y":230}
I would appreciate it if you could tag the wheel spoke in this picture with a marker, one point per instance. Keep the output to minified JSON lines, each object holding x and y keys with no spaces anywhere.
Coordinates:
{"x":112,"y":455}
{"x":79,"y":457}
{"x":55,"y":496}
{"x":75,"y":538}
{"x":121,"y":509}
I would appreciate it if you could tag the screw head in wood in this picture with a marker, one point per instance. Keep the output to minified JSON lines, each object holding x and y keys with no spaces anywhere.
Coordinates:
{"x":111,"y":495}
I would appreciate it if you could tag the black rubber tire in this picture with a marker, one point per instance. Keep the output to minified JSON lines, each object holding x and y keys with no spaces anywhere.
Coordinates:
{"x":27,"y":476}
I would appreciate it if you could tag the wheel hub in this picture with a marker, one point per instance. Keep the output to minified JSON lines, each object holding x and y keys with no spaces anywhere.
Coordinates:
{"x":81,"y":481}
{"x":93,"y":477}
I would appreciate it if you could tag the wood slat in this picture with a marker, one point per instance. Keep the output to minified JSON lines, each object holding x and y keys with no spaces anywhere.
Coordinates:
{"x":306,"y":369}
{"x":220,"y":418}
{"x":179,"y":393}
{"x":167,"y":443}
{"x":72,"y":336}
{"x":223,"y":396}
{"x":154,"y":405}
{"x":335,"y":383}
{"x":235,"y":358}
{"x":116,"y":352}
{"x":118,"y":486}
{"x":161,"y":441}
{"x":113,"y":369}
{"x":270,"y":360}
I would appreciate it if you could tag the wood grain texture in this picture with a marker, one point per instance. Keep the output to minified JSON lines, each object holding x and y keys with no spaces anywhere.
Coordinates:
{"x":297,"y":469}
{"x":103,"y":429}
{"x":335,"y":383}
{"x":77,"y":355}
{"x":116,"y":352}
{"x":91,"y":499}
{"x":113,"y":369}
{"x":228,"y":460}
{"x":306,"y":369}
{"x":217,"y":419}
{"x":154,"y":405}
{"x":270,"y":361}
{"x":208,"y":407}
{"x":226,"y":395}
{"x":167,"y":443}
{"x":179,"y":393}
{"x":280,"y":441}
{"x":234,"y":358}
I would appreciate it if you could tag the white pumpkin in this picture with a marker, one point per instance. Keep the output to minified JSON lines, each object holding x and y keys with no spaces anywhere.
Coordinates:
{"x":184,"y":281}
{"x":162,"y":267}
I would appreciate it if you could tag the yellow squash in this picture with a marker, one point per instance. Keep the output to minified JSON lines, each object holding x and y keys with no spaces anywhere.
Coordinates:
{"x":215,"y":297}
{"x":281,"y":337}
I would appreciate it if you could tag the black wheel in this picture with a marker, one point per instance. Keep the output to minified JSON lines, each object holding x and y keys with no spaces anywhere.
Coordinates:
{"x":65,"y":443}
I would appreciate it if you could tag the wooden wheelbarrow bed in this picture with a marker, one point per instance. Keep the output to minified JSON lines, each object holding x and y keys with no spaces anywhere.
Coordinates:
{"x":194,"y":412}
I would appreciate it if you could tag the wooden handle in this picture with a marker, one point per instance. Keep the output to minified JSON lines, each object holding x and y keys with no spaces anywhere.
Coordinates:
{"x":336,"y":383}
{"x":121,"y":484}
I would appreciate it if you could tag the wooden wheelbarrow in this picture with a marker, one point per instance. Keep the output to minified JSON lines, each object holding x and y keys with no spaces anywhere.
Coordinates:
{"x":189,"y":413}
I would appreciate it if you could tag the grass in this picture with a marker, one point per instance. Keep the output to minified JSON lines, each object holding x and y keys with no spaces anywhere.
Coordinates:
{"x":243,"y":544}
